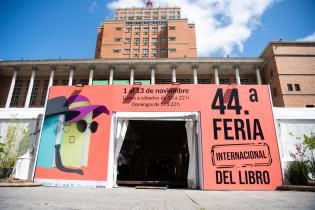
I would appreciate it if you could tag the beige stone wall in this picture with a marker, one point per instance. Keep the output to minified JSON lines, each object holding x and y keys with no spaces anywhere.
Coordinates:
{"x":292,"y":63}
{"x":192,"y":40}
{"x":298,"y":100}
{"x":270,"y":76}
{"x":295,"y":64}
{"x":298,"y":49}
{"x":111,"y":43}
{"x":184,"y":44}
{"x":306,"y":83}
{"x":99,"y":39}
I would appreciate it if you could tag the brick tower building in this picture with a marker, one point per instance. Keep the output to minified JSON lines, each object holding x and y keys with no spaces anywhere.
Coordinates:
{"x":149,"y":32}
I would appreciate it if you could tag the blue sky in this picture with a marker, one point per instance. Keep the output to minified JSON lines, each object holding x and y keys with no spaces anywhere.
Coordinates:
{"x":52,"y":29}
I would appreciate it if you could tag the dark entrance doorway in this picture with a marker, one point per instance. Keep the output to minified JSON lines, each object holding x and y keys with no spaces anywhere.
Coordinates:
{"x":154,"y":153}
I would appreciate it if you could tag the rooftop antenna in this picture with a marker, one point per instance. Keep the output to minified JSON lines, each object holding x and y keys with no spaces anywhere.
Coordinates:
{"x":148,"y":3}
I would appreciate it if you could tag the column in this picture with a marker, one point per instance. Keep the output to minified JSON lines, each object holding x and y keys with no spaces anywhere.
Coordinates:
{"x":30,"y":89}
{"x":152,"y":75}
{"x":132,"y":76}
{"x":173,"y":73}
{"x":91,"y":75}
{"x":70,"y":77}
{"x":51,"y":82}
{"x":9,"y":98}
{"x":237,"y":75}
{"x":51,"y":79}
{"x":195,"y":77}
{"x":216,"y":76}
{"x":258,"y":76}
{"x":111,"y":76}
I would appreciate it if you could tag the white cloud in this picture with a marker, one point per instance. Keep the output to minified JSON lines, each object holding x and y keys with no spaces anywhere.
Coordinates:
{"x":125,"y":3}
{"x":92,"y":7}
{"x":222,"y":26}
{"x":310,"y":38}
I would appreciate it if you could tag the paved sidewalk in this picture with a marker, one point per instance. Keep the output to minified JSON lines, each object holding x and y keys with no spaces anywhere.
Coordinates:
{"x":130,"y":198}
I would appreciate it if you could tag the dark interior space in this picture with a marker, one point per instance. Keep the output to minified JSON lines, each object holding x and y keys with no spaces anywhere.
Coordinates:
{"x":154,"y":153}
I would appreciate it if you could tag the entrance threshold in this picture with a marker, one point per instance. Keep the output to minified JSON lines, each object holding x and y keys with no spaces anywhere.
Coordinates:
{"x":149,"y":183}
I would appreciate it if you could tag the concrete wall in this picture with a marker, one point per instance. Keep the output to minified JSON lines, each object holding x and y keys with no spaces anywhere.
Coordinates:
{"x":291,"y":124}
{"x":26,"y":121}
{"x":22,"y":119}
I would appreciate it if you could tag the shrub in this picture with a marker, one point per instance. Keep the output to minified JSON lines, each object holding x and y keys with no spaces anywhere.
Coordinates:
{"x":310,"y":144}
{"x":2,"y":145}
{"x":8,"y":155}
{"x":24,"y":143}
{"x":309,"y":141}
{"x":311,"y":166}
{"x":297,"y":172}
{"x":12,"y":148}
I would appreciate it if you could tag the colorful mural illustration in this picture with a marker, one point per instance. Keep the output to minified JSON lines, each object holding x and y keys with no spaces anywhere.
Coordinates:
{"x":66,"y":133}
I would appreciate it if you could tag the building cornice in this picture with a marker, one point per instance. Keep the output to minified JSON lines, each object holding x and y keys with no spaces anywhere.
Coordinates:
{"x":141,"y":66}
{"x":285,"y":43}
{"x":130,"y":61}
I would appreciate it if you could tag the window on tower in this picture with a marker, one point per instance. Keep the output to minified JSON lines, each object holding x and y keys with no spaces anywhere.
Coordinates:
{"x":297,"y":87}
{"x":144,"y":51}
{"x":290,"y":87}
{"x":127,"y":51}
{"x":154,"y":51}
{"x":127,"y":40}
{"x":163,"y":51}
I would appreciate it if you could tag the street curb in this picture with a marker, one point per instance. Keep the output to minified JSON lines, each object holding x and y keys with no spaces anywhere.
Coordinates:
{"x":296,"y":188}
{"x":20,"y":185}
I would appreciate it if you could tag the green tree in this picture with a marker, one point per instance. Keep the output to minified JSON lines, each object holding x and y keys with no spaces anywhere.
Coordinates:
{"x":310,"y":144}
{"x":12,"y":148}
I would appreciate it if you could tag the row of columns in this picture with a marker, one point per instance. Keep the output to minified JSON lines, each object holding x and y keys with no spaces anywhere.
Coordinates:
{"x":111,"y":79}
{"x":195,"y":75}
{"x":31,"y":84}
